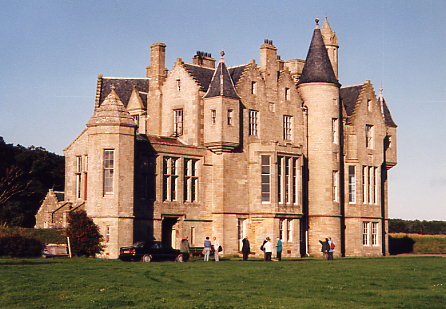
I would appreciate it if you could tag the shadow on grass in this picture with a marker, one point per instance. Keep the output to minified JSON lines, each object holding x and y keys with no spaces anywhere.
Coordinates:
{"x":15,"y":262}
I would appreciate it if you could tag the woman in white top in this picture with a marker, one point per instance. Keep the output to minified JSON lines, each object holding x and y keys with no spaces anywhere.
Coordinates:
{"x":216,"y":245}
{"x":268,"y":247}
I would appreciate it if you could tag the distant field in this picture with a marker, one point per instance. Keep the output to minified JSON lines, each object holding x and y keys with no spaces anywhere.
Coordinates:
{"x":391,"y":282}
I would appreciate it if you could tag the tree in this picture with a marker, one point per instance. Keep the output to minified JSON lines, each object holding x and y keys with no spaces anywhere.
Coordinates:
{"x":26,"y":174}
{"x":12,"y":183}
{"x":84,"y":234}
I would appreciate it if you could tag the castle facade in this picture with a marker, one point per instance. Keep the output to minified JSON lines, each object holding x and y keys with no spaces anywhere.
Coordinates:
{"x":276,"y":149}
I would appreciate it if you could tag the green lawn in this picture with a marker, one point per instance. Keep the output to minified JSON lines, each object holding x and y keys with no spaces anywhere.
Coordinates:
{"x":392,"y":282}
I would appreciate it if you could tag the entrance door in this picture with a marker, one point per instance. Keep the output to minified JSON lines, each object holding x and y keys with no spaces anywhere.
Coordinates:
{"x":168,"y":236}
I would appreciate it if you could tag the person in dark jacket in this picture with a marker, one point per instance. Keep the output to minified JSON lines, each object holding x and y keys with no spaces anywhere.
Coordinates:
{"x":325,"y":247}
{"x":246,"y":248}
{"x":184,"y":247}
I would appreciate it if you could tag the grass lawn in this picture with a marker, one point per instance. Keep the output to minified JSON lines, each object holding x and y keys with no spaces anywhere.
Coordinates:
{"x":392,"y":282}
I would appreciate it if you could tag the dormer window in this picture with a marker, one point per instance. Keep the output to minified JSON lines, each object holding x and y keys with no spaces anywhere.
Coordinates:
{"x":253,"y":88}
{"x":287,"y":94}
{"x":178,"y":122}
{"x":136,"y":119}
{"x":369,"y":136}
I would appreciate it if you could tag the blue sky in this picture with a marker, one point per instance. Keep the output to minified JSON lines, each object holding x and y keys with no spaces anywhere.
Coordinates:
{"x":52,"y":51}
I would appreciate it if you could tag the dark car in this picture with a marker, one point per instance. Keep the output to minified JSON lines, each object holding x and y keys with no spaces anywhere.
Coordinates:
{"x":151,"y":251}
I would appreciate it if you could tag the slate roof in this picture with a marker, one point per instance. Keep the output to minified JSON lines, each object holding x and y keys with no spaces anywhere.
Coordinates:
{"x":202,"y":75}
{"x":349,"y":96}
{"x":124,"y":88}
{"x":317,"y":66}
{"x":236,"y":72}
{"x":164,"y":140}
{"x":387,"y":115}
{"x":59,"y":195}
{"x":221,"y":83}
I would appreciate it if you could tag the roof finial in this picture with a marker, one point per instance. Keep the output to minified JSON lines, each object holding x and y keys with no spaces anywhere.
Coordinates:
{"x":222,"y":54}
{"x":317,"y":23}
{"x":112,"y":87}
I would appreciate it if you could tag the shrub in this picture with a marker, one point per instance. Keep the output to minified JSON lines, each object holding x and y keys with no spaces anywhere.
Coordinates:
{"x":20,"y":246}
{"x":85,"y":238}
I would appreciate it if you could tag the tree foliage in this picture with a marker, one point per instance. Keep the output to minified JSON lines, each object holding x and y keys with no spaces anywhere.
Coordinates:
{"x":85,"y":238}
{"x":417,"y":227}
{"x":26,"y":174}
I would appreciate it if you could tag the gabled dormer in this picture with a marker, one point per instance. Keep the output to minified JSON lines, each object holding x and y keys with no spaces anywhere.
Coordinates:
{"x":137,"y":110}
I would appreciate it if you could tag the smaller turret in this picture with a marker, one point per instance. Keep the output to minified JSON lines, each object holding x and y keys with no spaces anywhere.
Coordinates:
{"x":331,"y":44}
{"x":221,"y":112}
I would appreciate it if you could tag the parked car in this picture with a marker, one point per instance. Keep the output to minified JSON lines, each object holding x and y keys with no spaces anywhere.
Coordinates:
{"x":151,"y":251}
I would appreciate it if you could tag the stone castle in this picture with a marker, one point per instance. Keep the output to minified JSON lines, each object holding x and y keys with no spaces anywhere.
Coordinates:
{"x":276,"y":149}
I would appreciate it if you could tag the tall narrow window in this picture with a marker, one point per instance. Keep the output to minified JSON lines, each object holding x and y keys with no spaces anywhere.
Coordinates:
{"x":282,"y":222}
{"x":192,"y":236}
{"x":369,"y":105}
{"x":374,"y":233}
{"x":375,"y":185}
{"x":230,"y":114}
{"x":287,"y":94}
{"x":107,"y":233}
{"x":364,"y":185}
{"x":190,"y":180}
{"x":85,"y":177}
{"x":253,"y":122}
{"x":289,"y":230}
{"x":334,"y":124}
{"x":369,"y":136}
{"x":279,"y":179}
{"x":352,"y":184}
{"x":287,"y":127}
{"x":253,"y":88}
{"x":214,"y":116}
{"x":371,"y":185}
{"x":178,"y":84}
{"x":178,"y":122}
{"x":170,"y":178}
{"x":365,"y":233}
{"x":109,"y":164}
{"x":295,"y":186}
{"x":287,"y":180}
{"x":241,"y":231}
{"x":78,"y":176}
{"x":266,"y":178}
{"x":335,"y":186}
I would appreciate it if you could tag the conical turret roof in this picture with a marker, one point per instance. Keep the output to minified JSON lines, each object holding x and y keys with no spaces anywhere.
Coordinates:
{"x":317,"y":66}
{"x":221,"y":83}
{"x":111,"y":112}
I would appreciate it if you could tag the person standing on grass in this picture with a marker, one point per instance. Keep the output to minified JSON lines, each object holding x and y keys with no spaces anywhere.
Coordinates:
{"x":325,"y":248}
{"x":331,"y":248}
{"x":207,"y":249}
{"x":268,"y":246}
{"x":184,"y":247}
{"x":246,"y":248}
{"x":279,"y":249}
{"x":216,"y":247}
{"x":262,"y":247}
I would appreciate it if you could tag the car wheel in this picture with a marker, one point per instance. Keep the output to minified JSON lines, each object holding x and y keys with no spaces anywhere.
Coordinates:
{"x":147,"y":258}
{"x":179,"y":258}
